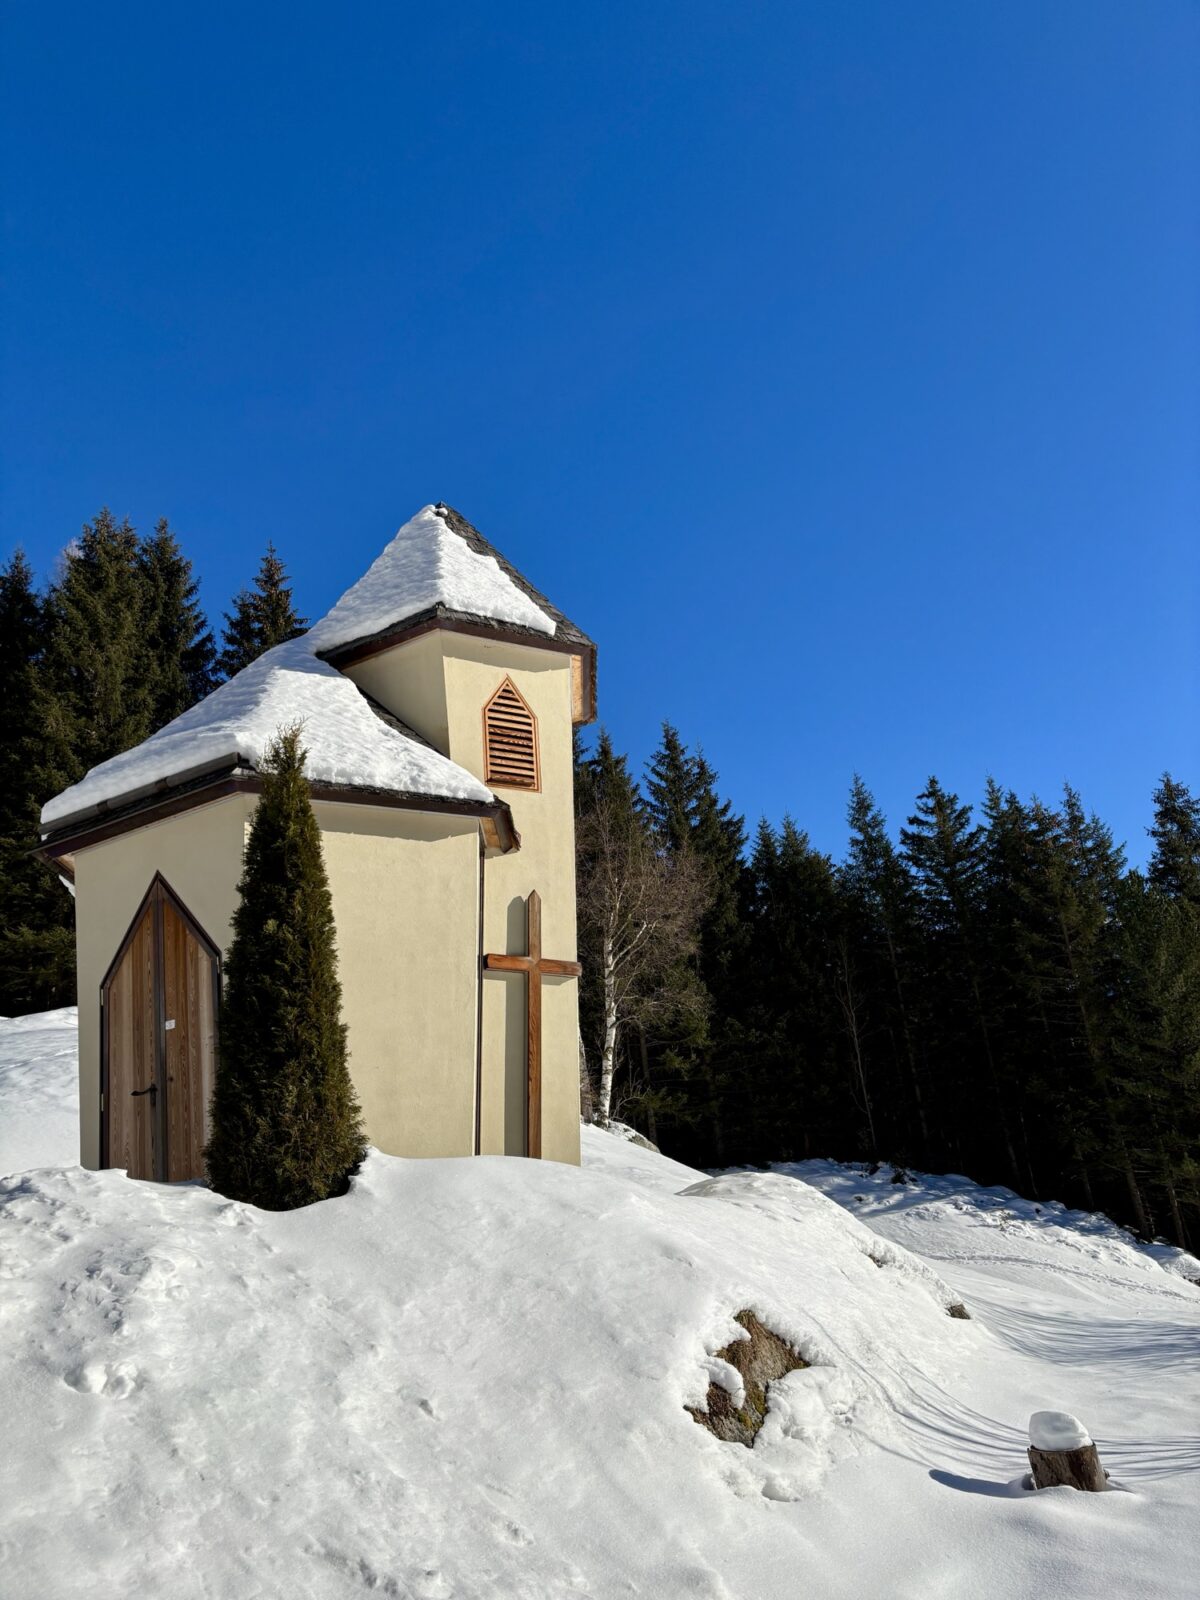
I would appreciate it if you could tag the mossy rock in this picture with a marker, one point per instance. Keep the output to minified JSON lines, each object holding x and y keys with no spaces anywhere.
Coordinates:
{"x":758,"y":1360}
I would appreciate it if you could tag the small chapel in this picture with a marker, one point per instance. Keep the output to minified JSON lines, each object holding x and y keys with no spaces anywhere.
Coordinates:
{"x":436,"y":702}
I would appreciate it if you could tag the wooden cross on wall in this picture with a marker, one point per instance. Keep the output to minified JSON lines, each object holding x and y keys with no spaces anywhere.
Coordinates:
{"x":535,"y":966}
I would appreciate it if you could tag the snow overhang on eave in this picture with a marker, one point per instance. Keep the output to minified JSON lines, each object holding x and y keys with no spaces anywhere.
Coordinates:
{"x":165,"y":798}
{"x":208,"y":771}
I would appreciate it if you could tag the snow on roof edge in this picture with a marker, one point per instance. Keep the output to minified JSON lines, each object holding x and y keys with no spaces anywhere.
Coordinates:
{"x":348,"y":743}
{"x":426,"y":563}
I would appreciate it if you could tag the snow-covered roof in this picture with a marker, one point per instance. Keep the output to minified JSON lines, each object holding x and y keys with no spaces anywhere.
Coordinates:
{"x":437,"y":563}
{"x":348,"y":742}
{"x":429,"y":564}
{"x":441,"y":567}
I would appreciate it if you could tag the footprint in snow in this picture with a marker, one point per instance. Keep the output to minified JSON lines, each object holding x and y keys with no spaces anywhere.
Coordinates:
{"x":116,"y":1380}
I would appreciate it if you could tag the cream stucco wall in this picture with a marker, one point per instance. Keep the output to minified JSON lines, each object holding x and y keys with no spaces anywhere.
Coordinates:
{"x":405,"y":889}
{"x":441,"y":681}
{"x":411,"y":682}
{"x":199,"y":853}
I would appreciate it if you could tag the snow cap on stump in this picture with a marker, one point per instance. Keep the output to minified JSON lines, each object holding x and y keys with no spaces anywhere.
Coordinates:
{"x":1057,"y":1430}
{"x":1061,"y":1453}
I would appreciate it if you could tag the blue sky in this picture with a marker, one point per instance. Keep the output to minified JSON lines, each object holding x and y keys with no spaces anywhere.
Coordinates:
{"x":835,"y":366}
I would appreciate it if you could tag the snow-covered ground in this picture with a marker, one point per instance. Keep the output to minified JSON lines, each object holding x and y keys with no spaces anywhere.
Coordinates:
{"x":467,"y":1379}
{"x":39,"y":1090}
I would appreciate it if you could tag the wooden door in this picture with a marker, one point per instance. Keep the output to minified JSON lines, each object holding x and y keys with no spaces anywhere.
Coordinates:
{"x":131,"y":1091}
{"x":159,"y":1043}
{"x":189,"y":1041}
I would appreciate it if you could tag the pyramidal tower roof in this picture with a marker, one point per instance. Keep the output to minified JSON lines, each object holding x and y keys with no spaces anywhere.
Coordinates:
{"x":440,"y":567}
{"x":436,"y":567}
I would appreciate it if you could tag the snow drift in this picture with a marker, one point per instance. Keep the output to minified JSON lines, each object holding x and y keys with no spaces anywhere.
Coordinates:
{"x":469,"y":1378}
{"x":396,"y":1380}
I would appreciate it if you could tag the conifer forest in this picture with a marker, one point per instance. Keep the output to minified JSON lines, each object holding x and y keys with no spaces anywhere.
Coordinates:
{"x":986,"y":988}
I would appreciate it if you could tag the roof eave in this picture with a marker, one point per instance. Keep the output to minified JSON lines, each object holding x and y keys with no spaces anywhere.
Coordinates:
{"x":210,"y":770}
{"x":61,"y":843}
{"x":441,"y":617}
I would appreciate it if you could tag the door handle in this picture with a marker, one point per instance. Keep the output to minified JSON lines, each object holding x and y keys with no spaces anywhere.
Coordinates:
{"x":151,"y":1089}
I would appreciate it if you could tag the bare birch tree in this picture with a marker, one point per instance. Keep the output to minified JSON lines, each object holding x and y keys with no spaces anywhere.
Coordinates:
{"x":639,"y":910}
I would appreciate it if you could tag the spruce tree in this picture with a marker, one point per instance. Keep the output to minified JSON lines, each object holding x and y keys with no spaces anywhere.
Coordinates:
{"x":1072,"y":926}
{"x":681,"y":1062}
{"x":22,"y":634}
{"x":672,"y":790}
{"x":37,"y":939}
{"x":1175,"y":864}
{"x":945,"y":854}
{"x":93,"y":687}
{"x":792,"y":1097}
{"x":286,"y":1126}
{"x":182,"y":656}
{"x":262,"y":617}
{"x":879,"y":908}
{"x":1004,"y":970}
{"x":687,"y":814}
{"x":1154,"y":1080}
{"x":719,"y":838}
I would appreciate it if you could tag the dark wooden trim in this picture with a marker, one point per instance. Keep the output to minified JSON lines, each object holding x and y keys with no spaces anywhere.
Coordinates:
{"x":348,"y":655}
{"x":141,"y":817}
{"x":374,"y":644}
{"x":401,"y":802}
{"x":144,"y":793}
{"x":183,"y":911}
{"x":251,"y":783}
{"x":129,"y":933}
{"x":63,"y":865}
{"x":104,"y":1139}
{"x":160,"y":1037}
{"x":479,"y":1008}
{"x":106,"y":980}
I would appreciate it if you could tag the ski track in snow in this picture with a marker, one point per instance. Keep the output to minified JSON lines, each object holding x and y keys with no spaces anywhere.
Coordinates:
{"x":467,"y":1379}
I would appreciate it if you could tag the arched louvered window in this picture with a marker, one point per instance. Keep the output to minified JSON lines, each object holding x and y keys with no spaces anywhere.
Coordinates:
{"x":510,"y":744}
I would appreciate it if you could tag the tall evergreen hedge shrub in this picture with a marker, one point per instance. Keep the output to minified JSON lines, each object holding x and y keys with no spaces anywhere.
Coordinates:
{"x":286,"y":1127}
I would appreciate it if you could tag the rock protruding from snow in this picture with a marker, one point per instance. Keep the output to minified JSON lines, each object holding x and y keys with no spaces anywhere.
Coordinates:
{"x":1057,"y":1430}
{"x":735,"y":1407}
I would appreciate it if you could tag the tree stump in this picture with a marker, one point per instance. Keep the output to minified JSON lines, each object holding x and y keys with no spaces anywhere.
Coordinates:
{"x":1061,"y":1452}
{"x":1080,"y":1468}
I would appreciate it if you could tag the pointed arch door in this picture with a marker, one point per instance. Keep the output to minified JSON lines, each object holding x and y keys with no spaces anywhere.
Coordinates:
{"x":159,"y":1004}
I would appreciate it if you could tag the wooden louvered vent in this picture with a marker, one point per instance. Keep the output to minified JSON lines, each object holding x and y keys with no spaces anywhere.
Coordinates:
{"x":510,"y":745}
